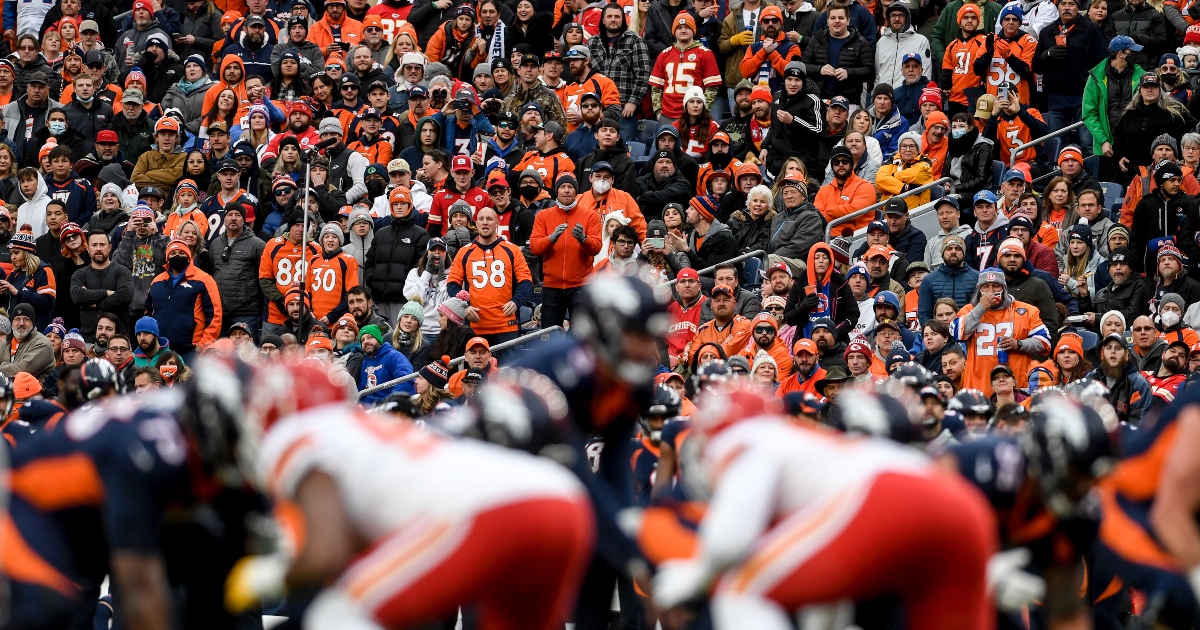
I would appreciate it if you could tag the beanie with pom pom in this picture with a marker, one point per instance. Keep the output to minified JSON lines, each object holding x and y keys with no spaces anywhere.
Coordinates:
{"x":455,"y":308}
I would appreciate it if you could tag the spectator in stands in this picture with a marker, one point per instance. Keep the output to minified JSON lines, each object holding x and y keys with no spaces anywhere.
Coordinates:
{"x":852,"y":68}
{"x":662,"y":185}
{"x":1026,"y":336}
{"x":909,"y":169}
{"x":495,"y":304}
{"x":1024,"y":284}
{"x":394,"y":250}
{"x":235,"y":270}
{"x":381,"y":364}
{"x":1070,"y":162}
{"x":728,"y":329}
{"x":1088,"y":210}
{"x":566,"y":263}
{"x":710,"y":241}
{"x":948,"y":216}
{"x":747,"y":303}
{"x":34,"y":106}
{"x":1159,"y":215}
{"x":1146,"y":26}
{"x":603,"y":198}
{"x":163,"y":165}
{"x":1068,"y":49}
{"x":847,"y":192}
{"x":622,"y":55}
{"x":953,"y":278}
{"x":903,"y":235}
{"x":30,"y":351}
{"x":528,"y":89}
{"x":1039,"y":256}
{"x":1126,"y":294}
{"x":797,"y":227}
{"x":797,"y":110}
{"x":1172,"y":278}
{"x":968,"y":158}
{"x":185,"y":302}
{"x":990,"y":230}
{"x":100,"y":286}
{"x":752,"y":226}
{"x":900,"y":44}
{"x":1109,"y":90}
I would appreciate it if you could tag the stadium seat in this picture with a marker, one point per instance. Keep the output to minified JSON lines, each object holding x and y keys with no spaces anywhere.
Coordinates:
{"x":937,"y":192}
{"x":639,"y":162}
{"x":750,"y":272}
{"x":997,"y":171}
{"x":636,"y":149}
{"x":646,"y":130}
{"x":1112,"y":192}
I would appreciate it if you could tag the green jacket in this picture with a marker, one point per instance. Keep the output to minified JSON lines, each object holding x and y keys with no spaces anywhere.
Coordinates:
{"x":1095,"y":103}
{"x":946,"y":30}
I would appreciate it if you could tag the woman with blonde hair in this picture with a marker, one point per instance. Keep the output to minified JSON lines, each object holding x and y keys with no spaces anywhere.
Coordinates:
{"x":639,"y":17}
{"x":189,"y":232}
{"x":408,"y":338}
{"x":431,"y":386}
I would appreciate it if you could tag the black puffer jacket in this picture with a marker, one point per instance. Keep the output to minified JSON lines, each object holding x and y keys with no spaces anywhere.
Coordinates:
{"x":235,"y":269}
{"x":396,"y":249}
{"x":751,"y":234}
{"x":1148,"y":27}
{"x":426,"y":18}
{"x":624,"y":170}
{"x":857,"y":58}
{"x":971,"y":157}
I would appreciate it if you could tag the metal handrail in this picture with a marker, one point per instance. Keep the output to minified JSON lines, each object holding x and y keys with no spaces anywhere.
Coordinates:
{"x":754,"y":254}
{"x":1012,"y":155}
{"x":879,"y":204}
{"x":454,"y":362}
{"x":1054,"y":173}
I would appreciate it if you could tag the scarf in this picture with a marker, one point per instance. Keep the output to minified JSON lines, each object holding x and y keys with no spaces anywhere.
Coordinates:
{"x":958,"y":147}
{"x":823,"y":286}
{"x":499,"y":39}
{"x":758,"y":131}
{"x":404,"y":338}
{"x":454,"y":47}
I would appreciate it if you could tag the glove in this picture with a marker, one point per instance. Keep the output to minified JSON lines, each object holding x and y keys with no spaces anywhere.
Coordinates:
{"x":810,"y":303}
{"x":1001,"y":48}
{"x":1013,"y":588}
{"x":558,"y":231}
{"x":1057,"y":52}
{"x":254,"y":579}
{"x":578,"y":232}
{"x":745,"y":38}
{"x":678,"y":582}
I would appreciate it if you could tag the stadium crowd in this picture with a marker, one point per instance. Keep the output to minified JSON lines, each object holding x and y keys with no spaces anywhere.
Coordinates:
{"x":826,"y":195}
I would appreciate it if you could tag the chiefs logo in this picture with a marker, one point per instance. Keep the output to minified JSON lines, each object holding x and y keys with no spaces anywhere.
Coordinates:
{"x":692,"y":57}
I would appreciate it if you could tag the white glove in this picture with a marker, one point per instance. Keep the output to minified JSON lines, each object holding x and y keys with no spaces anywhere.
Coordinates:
{"x":679,"y":581}
{"x":1013,"y":588}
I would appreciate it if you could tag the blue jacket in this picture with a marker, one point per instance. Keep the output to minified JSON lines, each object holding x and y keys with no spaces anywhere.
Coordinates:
{"x":954,"y":282}
{"x":78,"y":194}
{"x":387,"y":364}
{"x":450,"y":130}
{"x":887,"y":132}
{"x":581,"y":142}
{"x":187,"y":309}
{"x":256,"y":62}
{"x":907,"y":98}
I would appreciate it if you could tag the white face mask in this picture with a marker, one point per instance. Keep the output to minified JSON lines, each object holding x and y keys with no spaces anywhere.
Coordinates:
{"x":601,"y":186}
{"x":1169,"y":318}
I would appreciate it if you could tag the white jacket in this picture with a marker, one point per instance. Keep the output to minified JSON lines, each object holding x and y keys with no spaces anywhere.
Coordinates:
{"x":432,"y":290}
{"x":33,"y":211}
{"x":891,"y":48}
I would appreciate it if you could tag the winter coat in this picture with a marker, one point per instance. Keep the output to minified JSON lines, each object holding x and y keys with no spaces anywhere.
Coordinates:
{"x":14,"y":126}
{"x":145,"y":258}
{"x":891,"y":47}
{"x":312,"y":59}
{"x":235,"y":268}
{"x":624,"y":170}
{"x":751,"y":234}
{"x":87,"y":121}
{"x":189,"y":102}
{"x":844,"y":313}
{"x":887,"y":132}
{"x":857,"y":58}
{"x":910,"y":241}
{"x":971,"y":171}
{"x":860,"y":19}
{"x":1138,"y":127}
{"x":394,"y":250}
{"x":794,"y":232}
{"x":1095,"y":103}
{"x":205,"y":26}
{"x":136,"y":136}
{"x":1064,"y":81}
{"x":426,"y":18}
{"x":1026,"y":287}
{"x":137,"y":36}
{"x":627,"y":62}
{"x":430,"y":286}
{"x":387,"y":364}
{"x":35,"y":355}
{"x":719,"y":246}
{"x":567,"y":262}
{"x":1155,"y":216}
{"x":358,"y":246}
{"x":799,"y":138}
{"x":945,"y":281}
{"x":1148,"y":27}
{"x":652,"y":195}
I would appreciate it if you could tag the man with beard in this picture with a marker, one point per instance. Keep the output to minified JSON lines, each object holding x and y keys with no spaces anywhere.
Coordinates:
{"x":150,"y":346}
{"x":300,"y":320}
{"x":105,"y":330}
{"x":254,"y":50}
{"x":829,"y":349}
{"x":611,"y":149}
{"x":1122,"y":379}
{"x":738,"y":123}
{"x":312,"y":60}
{"x":582,"y":141}
{"x":809,"y":370}
{"x":143,"y":253}
{"x":503,"y":145}
{"x":1024,"y":286}
{"x":299,"y":127}
{"x":335,"y":27}
{"x":1126,"y":294}
{"x":460,"y":187}
{"x":1148,"y":347}
{"x":105,"y":151}
{"x":1170,"y":375}
{"x":347,"y":168}
{"x":362,"y":308}
{"x":529,"y":89}
{"x":1171,"y":277}
{"x":621,"y":55}
{"x":101,"y":286}
{"x":30,"y":351}
{"x":145,"y":25}
{"x":954,"y":363}
{"x":663,"y":185}
{"x":24,"y":118}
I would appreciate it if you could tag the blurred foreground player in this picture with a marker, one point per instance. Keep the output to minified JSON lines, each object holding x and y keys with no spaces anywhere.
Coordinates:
{"x":800,"y":517}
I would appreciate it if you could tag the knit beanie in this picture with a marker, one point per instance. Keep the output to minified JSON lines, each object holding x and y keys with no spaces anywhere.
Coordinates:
{"x":954,"y":239}
{"x":1165,"y":139}
{"x":861,"y":347}
{"x":75,"y":340}
{"x":931,"y":94}
{"x":455,"y":307}
{"x":23,"y":239}
{"x":1173,"y":298}
{"x":437,"y":372}
{"x":991,"y":275}
{"x":414,"y":309}
{"x":884,"y":89}
{"x":706,"y":206}
{"x":56,"y":327}
{"x":372,"y":330}
{"x":146,"y":324}
{"x":763,"y":358}
{"x":332,"y":228}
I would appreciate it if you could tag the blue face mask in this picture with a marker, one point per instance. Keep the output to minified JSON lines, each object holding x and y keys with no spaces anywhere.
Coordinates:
{"x":958,"y":133}
{"x":57,"y":127}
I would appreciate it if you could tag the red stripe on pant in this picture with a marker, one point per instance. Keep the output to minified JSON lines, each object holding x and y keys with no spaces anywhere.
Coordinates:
{"x":926,"y":539}
{"x":521,"y":562}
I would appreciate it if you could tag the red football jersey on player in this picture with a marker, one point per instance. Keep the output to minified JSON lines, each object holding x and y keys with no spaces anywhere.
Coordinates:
{"x":677,"y":70}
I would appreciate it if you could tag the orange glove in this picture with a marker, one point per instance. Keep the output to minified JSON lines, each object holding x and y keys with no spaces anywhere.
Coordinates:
{"x":1002,"y":48}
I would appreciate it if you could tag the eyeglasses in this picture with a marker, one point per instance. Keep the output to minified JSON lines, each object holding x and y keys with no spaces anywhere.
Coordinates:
{"x":778,"y":309}
{"x":591,"y":105}
{"x":118,"y":349}
{"x":1143,"y":329}
{"x":27,"y":48}
{"x":763,"y":330}
{"x":625,"y":241}
{"x":771,"y":21}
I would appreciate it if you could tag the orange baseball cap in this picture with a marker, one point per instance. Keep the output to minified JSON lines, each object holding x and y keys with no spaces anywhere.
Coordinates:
{"x":318,"y":343}
{"x":478,"y":341}
{"x":805,"y":345}
{"x":372,"y":20}
{"x":166,"y":123}
{"x":878,"y":250}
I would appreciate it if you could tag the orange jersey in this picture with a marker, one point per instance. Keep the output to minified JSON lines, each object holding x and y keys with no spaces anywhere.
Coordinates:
{"x":281,"y":261}
{"x":618,"y":201}
{"x":599,"y":84}
{"x":959,"y":63}
{"x":1001,"y":71}
{"x":1020,"y":321}
{"x":548,"y":166}
{"x":732,"y":337}
{"x":1011,"y":134}
{"x":329,"y":281}
{"x":490,"y":273}
{"x":175,"y":220}
{"x":378,"y":152}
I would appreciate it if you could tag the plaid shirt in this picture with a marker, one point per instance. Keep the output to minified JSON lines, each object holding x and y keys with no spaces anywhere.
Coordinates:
{"x":626,"y":62}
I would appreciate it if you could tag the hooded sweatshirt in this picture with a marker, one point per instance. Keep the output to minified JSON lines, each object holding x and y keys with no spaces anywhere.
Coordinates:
{"x":979,"y":326}
{"x":33,"y":211}
{"x":358,"y":246}
{"x":210,"y":97}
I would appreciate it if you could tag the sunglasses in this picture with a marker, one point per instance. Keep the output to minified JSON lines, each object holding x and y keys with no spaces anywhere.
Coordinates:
{"x":27,"y":48}
{"x":775,"y":308}
{"x":772,"y":21}
{"x":282,"y":192}
{"x":763,"y":330}
{"x":841,"y":162}
{"x":349,"y":87}
{"x":95,"y":66}
{"x":590,"y":105}
{"x":1143,"y":329}
{"x":506,"y":125}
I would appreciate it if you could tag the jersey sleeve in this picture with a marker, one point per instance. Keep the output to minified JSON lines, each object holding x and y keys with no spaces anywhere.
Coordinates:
{"x":710,"y":73}
{"x":658,"y":77}
{"x":141,"y":465}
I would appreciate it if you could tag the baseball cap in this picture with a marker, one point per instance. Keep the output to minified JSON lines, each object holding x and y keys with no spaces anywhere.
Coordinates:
{"x":371,"y":112}
{"x":228,"y":164}
{"x":984,"y":196}
{"x":1012,"y":174}
{"x":602,"y":166}
{"x":461,"y":163}
{"x":219,"y":125}
{"x":578,"y":51}
{"x":840,"y":101}
{"x":107,"y":136}
{"x":478,"y":341}
{"x":877,"y":250}
{"x":1123,"y":42}
{"x":688,"y":273}
{"x":896,"y":207}
{"x":398,"y":165}
{"x":805,"y":345}
{"x":39,"y":77}
{"x":779,"y":266}
{"x":255,"y":20}
{"x":166,"y":123}
{"x":877,"y":225}
{"x":89,"y":25}
{"x":530,"y":58}
{"x":553,"y":128}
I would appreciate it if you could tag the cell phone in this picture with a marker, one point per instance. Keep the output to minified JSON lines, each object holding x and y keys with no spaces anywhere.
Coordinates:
{"x":656,"y":242}
{"x":1002,"y":93}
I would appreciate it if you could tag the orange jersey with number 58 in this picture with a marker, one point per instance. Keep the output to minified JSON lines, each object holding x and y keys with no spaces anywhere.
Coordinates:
{"x":490,"y":273}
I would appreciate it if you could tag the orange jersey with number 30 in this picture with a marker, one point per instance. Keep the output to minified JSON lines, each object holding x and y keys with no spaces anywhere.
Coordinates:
{"x":329,"y":279}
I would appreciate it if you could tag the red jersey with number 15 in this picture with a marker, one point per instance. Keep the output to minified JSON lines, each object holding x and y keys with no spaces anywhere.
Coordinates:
{"x":677,"y":70}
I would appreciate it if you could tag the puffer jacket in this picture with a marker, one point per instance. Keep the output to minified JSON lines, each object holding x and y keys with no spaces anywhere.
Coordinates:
{"x":190,"y":102}
{"x":857,"y":58}
{"x":971,"y":171}
{"x":1147,"y":26}
{"x":235,"y":268}
{"x":394,"y":250}
{"x":891,"y":47}
{"x":1130,"y":298}
{"x":795,"y":231}
{"x":751,"y":234}
{"x":624,"y":170}
{"x":358,"y":246}
{"x":718,"y":246}
{"x":205,"y":26}
{"x":88,"y":120}
{"x":910,"y":241}
{"x":945,"y":281}
{"x":887,"y":131}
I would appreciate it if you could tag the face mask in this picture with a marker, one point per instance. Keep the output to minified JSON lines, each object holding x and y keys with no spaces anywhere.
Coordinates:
{"x":177,"y":263}
{"x":1169,"y":319}
{"x":86,"y":101}
{"x":529,"y":192}
{"x":57,"y":127}
{"x":958,"y":133}
{"x":375,"y":188}
{"x":600,"y":187}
